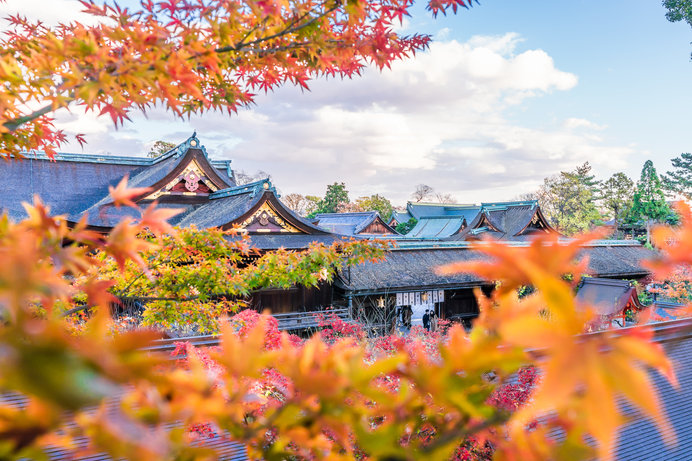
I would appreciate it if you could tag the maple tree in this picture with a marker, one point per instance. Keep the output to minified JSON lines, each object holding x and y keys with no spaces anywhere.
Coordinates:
{"x":335,"y":398}
{"x":193,"y":278}
{"x":186,"y":56}
{"x":338,"y":398}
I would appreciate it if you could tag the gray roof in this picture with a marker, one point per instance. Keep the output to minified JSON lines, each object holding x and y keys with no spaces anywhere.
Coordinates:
{"x":289,"y":241}
{"x":639,"y":439}
{"x":217,"y":212}
{"x":414,"y":268}
{"x":607,"y":296}
{"x":501,"y":221}
{"x":348,"y":223}
{"x":73,"y":184}
{"x":68,"y":187}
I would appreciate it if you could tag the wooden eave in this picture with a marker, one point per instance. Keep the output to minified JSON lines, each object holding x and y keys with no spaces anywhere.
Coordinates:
{"x":541,"y":217}
{"x":484,"y":221}
{"x":270,"y":198}
{"x":192,"y":155}
{"x":378,"y":219}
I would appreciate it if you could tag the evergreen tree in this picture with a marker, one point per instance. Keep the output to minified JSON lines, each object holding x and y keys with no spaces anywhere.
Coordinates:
{"x":405,"y":227}
{"x":336,"y":195}
{"x":616,"y":196}
{"x":377,"y":203}
{"x":649,"y":202}
{"x":570,"y":199}
{"x":679,"y":180}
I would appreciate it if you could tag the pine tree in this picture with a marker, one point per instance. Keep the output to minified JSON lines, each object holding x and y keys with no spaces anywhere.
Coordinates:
{"x":649,"y":200}
{"x":679,"y":180}
{"x":616,"y":196}
{"x":570,"y":199}
{"x":336,"y":195}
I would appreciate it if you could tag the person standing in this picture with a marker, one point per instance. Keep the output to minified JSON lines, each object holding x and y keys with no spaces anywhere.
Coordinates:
{"x":408,"y":313}
{"x":426,"y":319}
{"x":433,"y":321}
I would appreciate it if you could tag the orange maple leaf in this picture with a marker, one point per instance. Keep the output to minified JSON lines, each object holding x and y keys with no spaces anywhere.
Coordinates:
{"x":122,"y":195}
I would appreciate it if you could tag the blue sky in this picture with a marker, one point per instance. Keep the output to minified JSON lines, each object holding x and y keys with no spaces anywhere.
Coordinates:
{"x":510,"y":92}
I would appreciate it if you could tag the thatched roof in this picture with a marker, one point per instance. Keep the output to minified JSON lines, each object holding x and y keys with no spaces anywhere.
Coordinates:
{"x":414,"y":268}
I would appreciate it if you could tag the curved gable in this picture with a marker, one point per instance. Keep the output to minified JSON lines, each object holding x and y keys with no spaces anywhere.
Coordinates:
{"x":270,"y":216}
{"x":192,"y":178}
{"x":537,"y":223}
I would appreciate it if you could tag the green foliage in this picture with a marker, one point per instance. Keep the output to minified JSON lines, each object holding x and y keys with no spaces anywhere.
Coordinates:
{"x":649,"y":202}
{"x":336,"y":195}
{"x":678,"y":10}
{"x":376,"y":203}
{"x":405,"y":227}
{"x":569,"y":199}
{"x":198,"y":276}
{"x":160,"y":148}
{"x":679,"y":179}
{"x":616,"y":196}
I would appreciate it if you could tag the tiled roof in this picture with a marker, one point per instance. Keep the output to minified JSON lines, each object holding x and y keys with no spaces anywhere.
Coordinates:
{"x":423,"y":209}
{"x":502,"y":221}
{"x":75,"y":183}
{"x":437,"y":227}
{"x":607,"y":296}
{"x":401,"y":216}
{"x":290,"y":241}
{"x":349,"y":223}
{"x":345,"y":223}
{"x":639,"y":439}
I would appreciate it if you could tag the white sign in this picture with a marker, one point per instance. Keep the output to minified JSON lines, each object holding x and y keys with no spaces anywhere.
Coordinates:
{"x":425,"y":298}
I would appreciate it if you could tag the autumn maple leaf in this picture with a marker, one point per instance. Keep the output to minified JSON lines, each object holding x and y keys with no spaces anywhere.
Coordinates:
{"x":156,"y":219}
{"x":122,"y":195}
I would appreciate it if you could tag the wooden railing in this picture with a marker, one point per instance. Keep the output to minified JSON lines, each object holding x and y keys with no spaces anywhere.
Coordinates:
{"x":291,"y":321}
{"x":301,"y":320}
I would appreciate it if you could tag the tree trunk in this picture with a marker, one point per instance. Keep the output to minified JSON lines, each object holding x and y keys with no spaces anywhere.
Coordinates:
{"x":648,"y":231}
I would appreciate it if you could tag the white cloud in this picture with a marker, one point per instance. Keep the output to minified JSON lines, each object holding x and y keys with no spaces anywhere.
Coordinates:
{"x":438,"y":119}
{"x":51,"y":12}
{"x":575,"y":123}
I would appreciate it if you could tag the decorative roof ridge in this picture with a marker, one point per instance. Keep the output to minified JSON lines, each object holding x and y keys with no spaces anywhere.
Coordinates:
{"x":450,"y":205}
{"x":251,"y":188}
{"x":90,"y":158}
{"x":177,"y":151}
{"x":419,"y":243}
{"x":350,"y":213}
{"x":607,"y":282}
{"x":446,"y":216}
{"x":498,"y":206}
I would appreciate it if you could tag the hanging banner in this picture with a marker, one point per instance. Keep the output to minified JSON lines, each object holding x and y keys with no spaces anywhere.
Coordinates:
{"x":399,"y":299}
{"x":417,"y":302}
{"x":441,"y":296}
{"x":435,"y":296}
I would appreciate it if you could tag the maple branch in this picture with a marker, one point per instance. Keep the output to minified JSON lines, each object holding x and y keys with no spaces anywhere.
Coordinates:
{"x":291,"y":28}
{"x":13,"y":124}
{"x":498,"y":418}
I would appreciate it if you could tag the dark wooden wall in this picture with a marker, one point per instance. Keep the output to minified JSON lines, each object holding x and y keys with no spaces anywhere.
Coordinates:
{"x":294,"y":299}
